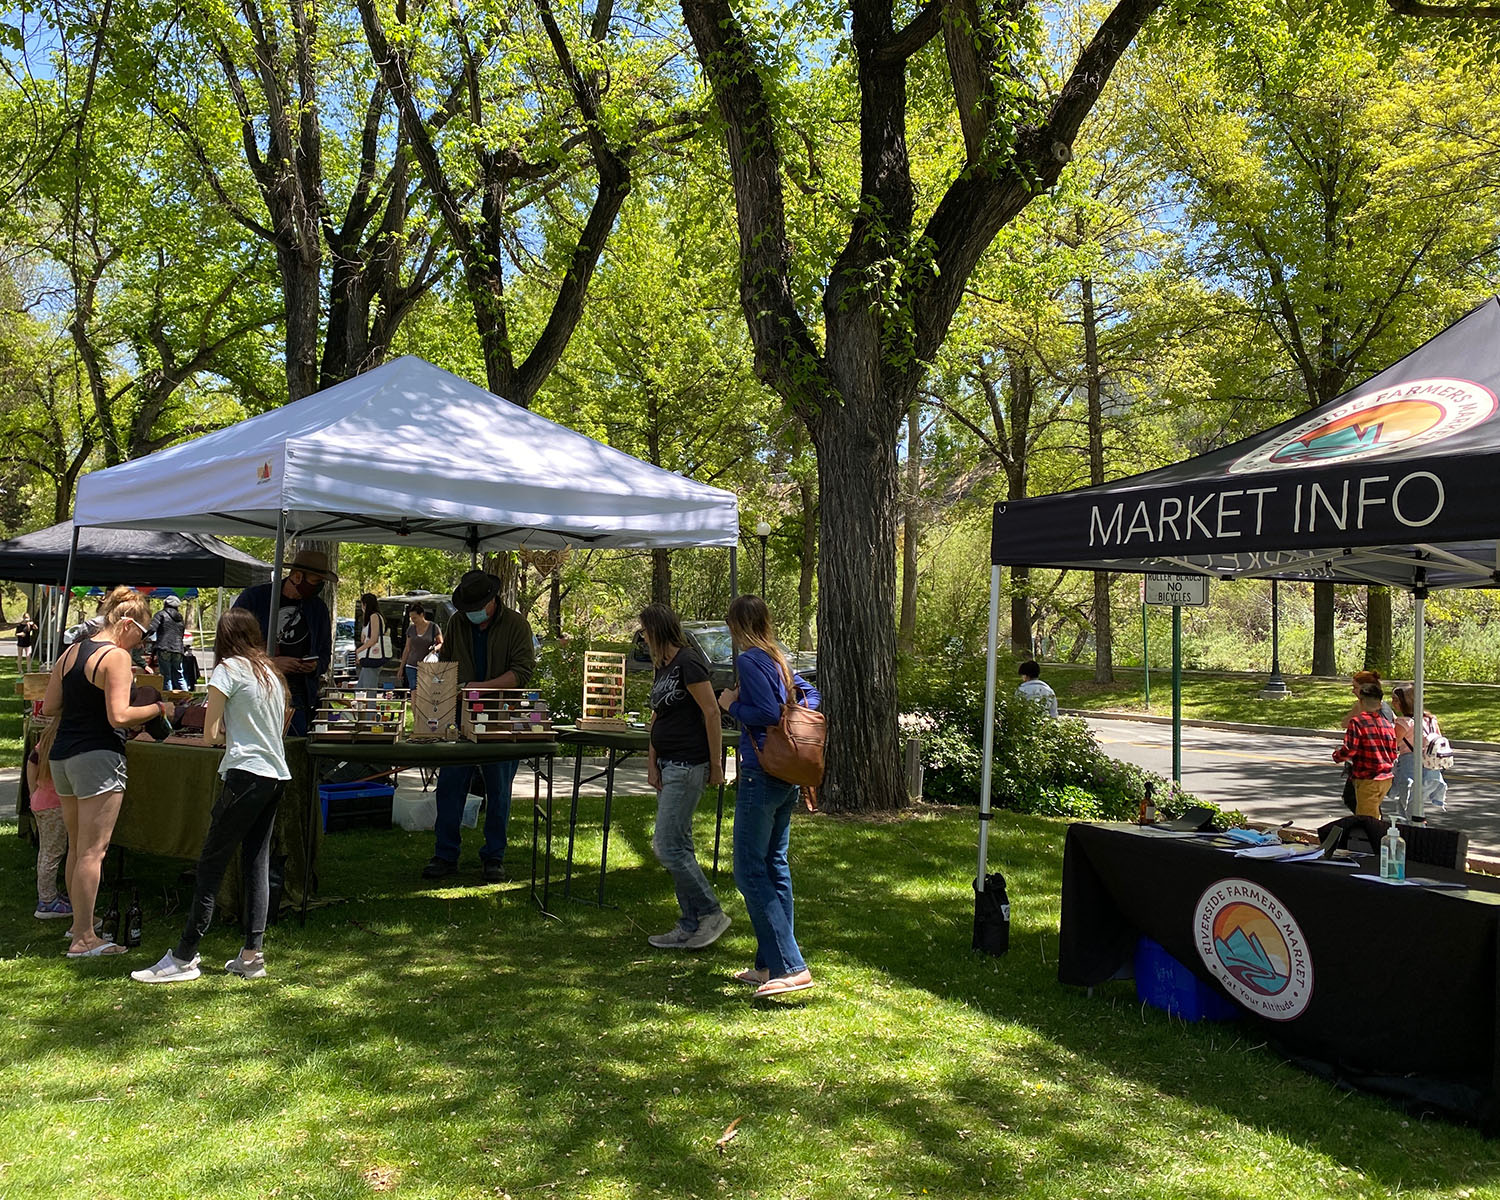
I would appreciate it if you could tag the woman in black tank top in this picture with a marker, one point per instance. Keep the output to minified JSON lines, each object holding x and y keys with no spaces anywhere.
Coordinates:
{"x":90,"y":689}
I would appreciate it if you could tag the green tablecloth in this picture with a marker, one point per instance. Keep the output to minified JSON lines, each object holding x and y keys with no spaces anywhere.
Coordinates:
{"x":170,"y":794}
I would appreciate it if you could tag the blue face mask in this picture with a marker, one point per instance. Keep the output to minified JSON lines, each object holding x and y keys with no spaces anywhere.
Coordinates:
{"x":480,"y":617}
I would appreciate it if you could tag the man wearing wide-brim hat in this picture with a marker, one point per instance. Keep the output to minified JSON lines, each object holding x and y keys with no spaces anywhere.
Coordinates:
{"x":493,"y":647}
{"x":303,"y":647}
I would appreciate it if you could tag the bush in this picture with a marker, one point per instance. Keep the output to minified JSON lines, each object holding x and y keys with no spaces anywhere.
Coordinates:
{"x":1042,"y":766}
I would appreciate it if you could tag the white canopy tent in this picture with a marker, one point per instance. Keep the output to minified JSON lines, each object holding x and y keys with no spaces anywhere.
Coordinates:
{"x":412,"y":455}
{"x":409,"y":454}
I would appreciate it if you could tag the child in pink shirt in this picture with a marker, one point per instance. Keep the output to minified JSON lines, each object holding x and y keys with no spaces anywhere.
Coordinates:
{"x":52,"y":834}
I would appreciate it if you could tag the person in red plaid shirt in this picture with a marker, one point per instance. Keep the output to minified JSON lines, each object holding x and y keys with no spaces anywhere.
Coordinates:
{"x":1370,"y":750}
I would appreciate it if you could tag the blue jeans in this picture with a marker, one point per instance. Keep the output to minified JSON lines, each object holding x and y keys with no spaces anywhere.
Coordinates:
{"x":1434,"y":787}
{"x":411,"y":676}
{"x":169,"y":663}
{"x":681,"y":788}
{"x":762,"y":829}
{"x":453,"y":791}
{"x":369,"y":678}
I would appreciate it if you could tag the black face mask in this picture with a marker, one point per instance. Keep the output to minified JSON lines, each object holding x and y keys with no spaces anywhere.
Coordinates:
{"x":306,"y":588}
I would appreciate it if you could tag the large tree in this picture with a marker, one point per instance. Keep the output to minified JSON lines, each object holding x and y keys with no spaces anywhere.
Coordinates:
{"x":852,"y":371}
{"x":1335,"y":182}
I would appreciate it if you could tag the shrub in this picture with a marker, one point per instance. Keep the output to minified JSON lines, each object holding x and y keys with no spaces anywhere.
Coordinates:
{"x":1043,"y":766}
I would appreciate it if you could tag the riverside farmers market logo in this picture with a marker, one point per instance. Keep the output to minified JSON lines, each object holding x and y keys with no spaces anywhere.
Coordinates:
{"x":263,"y":472}
{"x":1254,"y":947}
{"x":1401,"y":417}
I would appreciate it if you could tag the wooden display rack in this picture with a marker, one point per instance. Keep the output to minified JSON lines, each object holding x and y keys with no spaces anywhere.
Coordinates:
{"x":603,"y":691}
{"x":505,"y":715}
{"x":434,"y":703}
{"x":350,"y":716}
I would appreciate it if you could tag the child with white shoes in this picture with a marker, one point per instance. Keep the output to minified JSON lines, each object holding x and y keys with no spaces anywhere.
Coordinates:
{"x":248,"y":700}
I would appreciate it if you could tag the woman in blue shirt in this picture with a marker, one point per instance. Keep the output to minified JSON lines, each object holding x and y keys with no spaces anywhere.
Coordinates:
{"x":763,"y":804}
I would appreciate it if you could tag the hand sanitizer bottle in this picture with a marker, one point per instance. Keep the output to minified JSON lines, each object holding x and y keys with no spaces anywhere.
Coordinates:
{"x":1393,"y":853}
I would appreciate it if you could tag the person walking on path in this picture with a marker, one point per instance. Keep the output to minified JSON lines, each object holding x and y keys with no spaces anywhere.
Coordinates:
{"x":1369,"y":748}
{"x":303,"y":646}
{"x":685,"y":755}
{"x":166,"y":630}
{"x":1434,"y":786}
{"x":1034,"y":689}
{"x":763,"y":804}
{"x":422,"y":637}
{"x":375,"y":646}
{"x":493,"y":647}
{"x":89,"y":689}
{"x":26,"y":631}
{"x":249,"y":705}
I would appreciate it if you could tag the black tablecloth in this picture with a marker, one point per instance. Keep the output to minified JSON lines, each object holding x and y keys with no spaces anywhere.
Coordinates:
{"x":1399,"y":983}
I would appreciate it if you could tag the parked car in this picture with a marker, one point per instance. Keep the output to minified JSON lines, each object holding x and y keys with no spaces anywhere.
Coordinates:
{"x":713,"y":641}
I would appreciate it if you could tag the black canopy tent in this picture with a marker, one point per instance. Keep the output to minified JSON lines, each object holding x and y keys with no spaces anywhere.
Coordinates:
{"x":135,"y":556}
{"x":1392,"y":483}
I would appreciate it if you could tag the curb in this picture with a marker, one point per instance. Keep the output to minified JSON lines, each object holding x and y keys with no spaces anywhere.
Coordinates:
{"x":1242,"y":727}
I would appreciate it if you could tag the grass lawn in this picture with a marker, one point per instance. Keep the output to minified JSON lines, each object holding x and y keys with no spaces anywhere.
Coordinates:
{"x":1468,"y":711}
{"x":451,"y":1042}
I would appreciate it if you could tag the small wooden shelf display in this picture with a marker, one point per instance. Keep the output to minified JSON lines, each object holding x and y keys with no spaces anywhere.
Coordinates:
{"x":505,"y":715}
{"x":603,"y":691}
{"x":350,"y":716}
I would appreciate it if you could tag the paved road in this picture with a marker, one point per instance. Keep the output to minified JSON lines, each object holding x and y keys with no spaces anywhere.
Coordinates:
{"x":1279,"y":778}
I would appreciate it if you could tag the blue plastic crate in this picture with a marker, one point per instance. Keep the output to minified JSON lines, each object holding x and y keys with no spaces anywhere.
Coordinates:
{"x":1163,"y":982}
{"x":355,"y":805}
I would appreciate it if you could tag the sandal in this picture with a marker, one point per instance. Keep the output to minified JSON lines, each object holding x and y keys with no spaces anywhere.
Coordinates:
{"x":783,"y":984}
{"x":753,"y":975}
{"x":98,"y":951}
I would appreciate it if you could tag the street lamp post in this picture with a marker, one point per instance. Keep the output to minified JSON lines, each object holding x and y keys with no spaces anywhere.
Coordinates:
{"x":762,"y":531}
{"x":1276,"y":688}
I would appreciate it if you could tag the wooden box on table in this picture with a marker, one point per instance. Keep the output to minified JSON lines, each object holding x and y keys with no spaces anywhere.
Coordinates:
{"x":505,"y":715}
{"x":603,"y":691}
{"x":434,"y":703}
{"x":350,"y":716}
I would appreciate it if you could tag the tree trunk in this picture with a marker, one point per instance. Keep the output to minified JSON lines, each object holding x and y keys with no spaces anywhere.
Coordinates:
{"x":1104,"y":660}
{"x":1020,"y":612}
{"x":661,"y":578}
{"x":1324,"y":661}
{"x":1378,"y":630}
{"x":857,"y":484}
{"x":906,"y":636}
{"x":807,"y":566}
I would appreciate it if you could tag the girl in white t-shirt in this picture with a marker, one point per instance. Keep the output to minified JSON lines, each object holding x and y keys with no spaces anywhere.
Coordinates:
{"x":248,"y":701}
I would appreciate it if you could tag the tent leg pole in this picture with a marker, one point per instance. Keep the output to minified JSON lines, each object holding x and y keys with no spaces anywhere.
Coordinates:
{"x":1418,"y":740}
{"x":1177,"y":693}
{"x":68,"y":585}
{"x":989,"y":727}
{"x":273,"y":618}
{"x":734,"y":572}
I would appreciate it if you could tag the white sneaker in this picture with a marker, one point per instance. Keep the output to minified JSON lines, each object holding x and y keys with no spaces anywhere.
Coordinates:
{"x":710,"y":929}
{"x":247,"y":968}
{"x":168,"y":970}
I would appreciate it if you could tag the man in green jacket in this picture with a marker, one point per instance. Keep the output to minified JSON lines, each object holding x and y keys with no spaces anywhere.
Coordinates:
{"x":493,"y":647}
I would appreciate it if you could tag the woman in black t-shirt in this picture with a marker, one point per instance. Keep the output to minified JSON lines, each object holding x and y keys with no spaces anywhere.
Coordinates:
{"x":685,"y":754}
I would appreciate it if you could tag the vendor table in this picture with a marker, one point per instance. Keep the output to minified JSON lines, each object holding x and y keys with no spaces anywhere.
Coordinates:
{"x":1394,"y":989}
{"x":619,"y":745}
{"x":170,"y":794}
{"x":461,"y":754}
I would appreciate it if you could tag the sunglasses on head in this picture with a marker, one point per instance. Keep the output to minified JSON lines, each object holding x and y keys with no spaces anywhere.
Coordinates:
{"x":138,"y":625}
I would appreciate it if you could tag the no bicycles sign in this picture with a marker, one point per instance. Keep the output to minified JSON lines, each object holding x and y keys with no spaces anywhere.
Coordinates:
{"x":1175,"y":591}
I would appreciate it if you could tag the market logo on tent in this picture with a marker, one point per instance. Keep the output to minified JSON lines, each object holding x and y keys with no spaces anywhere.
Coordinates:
{"x":263,"y":472}
{"x":1254,"y":947}
{"x":1402,"y":417}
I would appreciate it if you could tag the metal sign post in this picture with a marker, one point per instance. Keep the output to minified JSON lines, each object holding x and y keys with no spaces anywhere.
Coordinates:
{"x":1176,"y":592}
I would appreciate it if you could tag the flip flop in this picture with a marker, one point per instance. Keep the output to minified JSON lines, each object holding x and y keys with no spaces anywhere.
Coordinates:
{"x":753,"y":975}
{"x":96,"y":951}
{"x":799,"y":982}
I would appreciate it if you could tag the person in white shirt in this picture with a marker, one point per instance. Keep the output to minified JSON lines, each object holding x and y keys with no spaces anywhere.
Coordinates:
{"x":248,"y":701}
{"x":1033,"y":688}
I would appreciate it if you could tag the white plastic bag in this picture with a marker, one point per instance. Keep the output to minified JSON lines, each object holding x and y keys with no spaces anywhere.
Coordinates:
{"x":471,"y":812}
